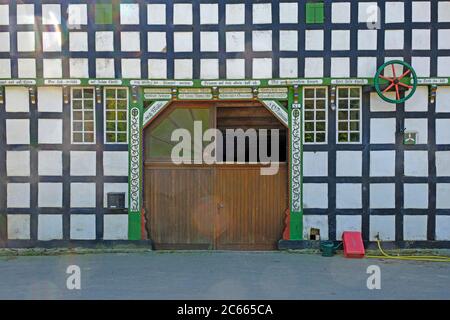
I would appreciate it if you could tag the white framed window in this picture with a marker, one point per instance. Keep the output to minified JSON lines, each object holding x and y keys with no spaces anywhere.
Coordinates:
{"x":348,"y":115}
{"x":83,"y":115}
{"x":116,"y":115}
{"x":315,"y":115}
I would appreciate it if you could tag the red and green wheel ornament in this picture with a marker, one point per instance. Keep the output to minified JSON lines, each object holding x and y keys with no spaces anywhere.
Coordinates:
{"x":395,"y":82}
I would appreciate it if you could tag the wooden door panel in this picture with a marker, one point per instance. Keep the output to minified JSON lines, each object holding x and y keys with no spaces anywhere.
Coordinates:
{"x":180,"y":209}
{"x":251,"y":216}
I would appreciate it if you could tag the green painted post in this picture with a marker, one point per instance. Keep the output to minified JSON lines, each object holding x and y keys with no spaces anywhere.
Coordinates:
{"x":135,"y":111}
{"x":296,"y":164}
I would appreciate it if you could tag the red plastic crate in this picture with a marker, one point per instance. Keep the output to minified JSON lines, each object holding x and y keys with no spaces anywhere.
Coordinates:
{"x":353,"y":244}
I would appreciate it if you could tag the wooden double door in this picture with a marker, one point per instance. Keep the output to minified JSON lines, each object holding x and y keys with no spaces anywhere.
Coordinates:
{"x":215,"y":206}
{"x":224,"y":207}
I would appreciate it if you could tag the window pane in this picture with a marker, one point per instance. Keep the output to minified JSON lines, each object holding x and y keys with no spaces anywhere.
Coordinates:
{"x":89,"y":104}
{"x":309,"y":137}
{"x":121,"y":93}
{"x":110,"y":115}
{"x":354,"y":115}
{"x":309,"y":104}
{"x":77,"y":126}
{"x":343,"y":93}
{"x":320,"y":137}
{"x":320,"y":126}
{"x":343,"y":137}
{"x":88,"y":93}
{"x":121,"y":104}
{"x":121,"y":137}
{"x":110,"y":137}
{"x":88,"y":137}
{"x":89,"y":126}
{"x":354,"y":92}
{"x":76,"y":93}
{"x":320,"y":93}
{"x":77,"y":104}
{"x":320,"y":115}
{"x":77,"y":137}
{"x":354,"y":137}
{"x":309,"y":115}
{"x":121,"y":126}
{"x":309,"y":126}
{"x":309,"y":93}
{"x":343,"y":115}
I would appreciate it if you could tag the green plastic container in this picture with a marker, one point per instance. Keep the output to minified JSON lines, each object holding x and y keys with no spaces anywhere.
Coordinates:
{"x":328,"y":249}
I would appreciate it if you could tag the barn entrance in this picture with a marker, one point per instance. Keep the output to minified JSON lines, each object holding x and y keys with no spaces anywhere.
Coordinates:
{"x":224,"y":205}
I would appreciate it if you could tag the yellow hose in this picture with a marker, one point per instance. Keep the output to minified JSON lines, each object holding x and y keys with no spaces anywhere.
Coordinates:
{"x":411,"y":258}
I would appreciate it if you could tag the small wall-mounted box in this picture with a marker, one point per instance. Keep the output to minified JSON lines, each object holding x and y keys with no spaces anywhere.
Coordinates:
{"x":116,"y":200}
{"x":410,"y":137}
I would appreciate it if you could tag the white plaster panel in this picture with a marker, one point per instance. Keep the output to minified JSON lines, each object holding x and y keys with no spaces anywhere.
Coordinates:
{"x":131,"y":68}
{"x":17,"y":163}
{"x":50,"y":227}
{"x":443,"y":99}
{"x":382,"y":130}
{"x":235,"y":13}
{"x":262,"y":13}
{"x":209,"y":68}
{"x":348,"y":196}
{"x":262,"y":40}
{"x":114,"y":187}
{"x":442,"y":131}
{"x":78,"y":41}
{"x":443,"y":195}
{"x":395,"y":12}
{"x":444,"y":11}
{"x":25,"y":14}
{"x":367,"y":67}
{"x":52,"y":68}
{"x":82,"y":195}
{"x":443,"y":66}
{"x":415,"y":196}
{"x":421,"y":11}
{"x":442,"y":227}
{"x":182,"y":13}
{"x":104,"y":68}
{"x":288,"y":12}
{"x":382,"y":163}
{"x":315,"y":164}
{"x":51,"y":41}
{"x":382,"y":196}
{"x":313,"y":40}
{"x":313,"y":67}
{"x":82,"y":227}
{"x":18,"y":195}
{"x":318,"y":222}
{"x":315,"y":195}
{"x":18,"y":226}
{"x":17,"y":131}
{"x":340,"y":67}
{"x":130,"y":41}
{"x":415,"y":228}
{"x":77,"y":14}
{"x":340,"y":40}
{"x":288,"y":68}
{"x":156,"y":13}
{"x":209,"y":13}
{"x":182,"y":41}
{"x":379,"y":105}
{"x":347,"y":223}
{"x":51,"y":14}
{"x":129,"y":13}
{"x":421,"y":39}
{"x":393,"y":39}
{"x":235,"y":68}
{"x":288,"y":40}
{"x":50,"y":99}
{"x":50,"y":131}
{"x":5,"y":68}
{"x":340,"y":12}
{"x":209,"y":41}
{"x":419,"y":101}
{"x":49,"y":163}
{"x":157,"y":68}
{"x":115,"y":163}
{"x":367,"y":39}
{"x":416,"y":163}
{"x":50,"y":195}
{"x":420,"y":126}
{"x":183,"y":68}
{"x":421,"y":65}
{"x":4,"y":14}
{"x":235,"y":41}
{"x":348,"y":163}
{"x":26,"y":68}
{"x":384,"y":226}
{"x":115,"y":227}
{"x":25,"y":41}
{"x":104,"y":41}
{"x":262,"y":68}
{"x":442,"y":163}
{"x":16,"y":99}
{"x":5,"y":41}
{"x":79,"y":68}
{"x":83,"y":163}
